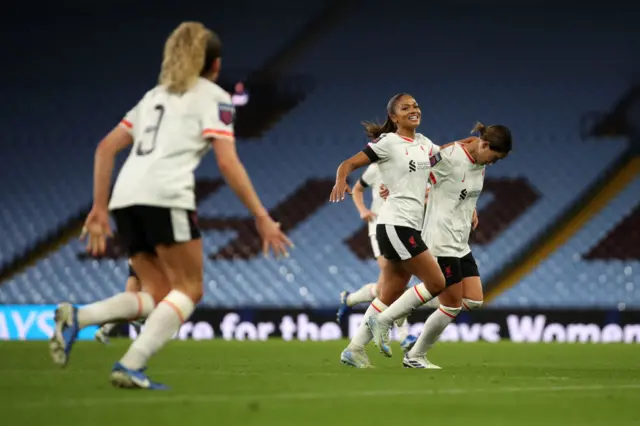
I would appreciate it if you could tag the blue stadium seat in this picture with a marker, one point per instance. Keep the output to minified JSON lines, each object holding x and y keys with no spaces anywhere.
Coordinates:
{"x":64,"y":110}
{"x":540,"y":93}
{"x":569,"y":279}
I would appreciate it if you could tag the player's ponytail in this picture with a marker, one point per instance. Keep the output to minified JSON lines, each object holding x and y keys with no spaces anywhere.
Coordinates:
{"x":374,"y":130}
{"x":184,"y":56}
{"x":479,"y":128}
{"x":497,"y":135}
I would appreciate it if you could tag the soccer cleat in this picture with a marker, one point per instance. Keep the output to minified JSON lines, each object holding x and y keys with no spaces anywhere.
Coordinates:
{"x":408,"y":343}
{"x":419,"y":362}
{"x":356,"y":359}
{"x":343,"y":306}
{"x":102,"y":336}
{"x":64,"y":333}
{"x":380,"y":335}
{"x":122,"y":377}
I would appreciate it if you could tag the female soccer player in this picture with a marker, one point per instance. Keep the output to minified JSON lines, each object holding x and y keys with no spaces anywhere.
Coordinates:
{"x":153,"y":201}
{"x":457,"y":177}
{"x":371,"y":178}
{"x":403,"y":158}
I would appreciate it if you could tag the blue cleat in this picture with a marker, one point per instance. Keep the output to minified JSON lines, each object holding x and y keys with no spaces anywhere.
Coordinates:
{"x":343,"y":306}
{"x":122,"y":377}
{"x":64,"y":334}
{"x":408,"y":343}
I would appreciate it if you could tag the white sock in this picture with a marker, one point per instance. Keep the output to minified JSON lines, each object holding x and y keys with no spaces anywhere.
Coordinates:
{"x":106,"y":329}
{"x":403,"y":328}
{"x":364,"y":294}
{"x":410,"y":299}
{"x":433,"y":328}
{"x":124,"y":306}
{"x":433,"y":303}
{"x":162,"y":324}
{"x":471,"y":305}
{"x":364,"y":336}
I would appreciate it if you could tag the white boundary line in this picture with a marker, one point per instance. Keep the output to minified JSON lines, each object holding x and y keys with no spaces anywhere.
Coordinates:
{"x":169,"y":397}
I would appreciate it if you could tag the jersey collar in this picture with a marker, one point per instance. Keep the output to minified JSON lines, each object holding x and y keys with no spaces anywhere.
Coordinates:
{"x":467,"y":153}
{"x":405,"y":138}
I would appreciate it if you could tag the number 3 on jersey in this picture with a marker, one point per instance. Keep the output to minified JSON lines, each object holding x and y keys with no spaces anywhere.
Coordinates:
{"x":147,"y":142}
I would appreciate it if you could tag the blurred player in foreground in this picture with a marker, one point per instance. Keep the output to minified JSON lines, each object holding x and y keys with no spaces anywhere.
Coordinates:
{"x":153,"y":202}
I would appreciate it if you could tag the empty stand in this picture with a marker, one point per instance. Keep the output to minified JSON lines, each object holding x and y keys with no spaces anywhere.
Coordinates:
{"x":462,"y":64}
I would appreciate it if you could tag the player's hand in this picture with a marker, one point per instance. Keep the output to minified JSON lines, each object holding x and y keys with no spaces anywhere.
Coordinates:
{"x":96,"y":230}
{"x":384,"y":192}
{"x":272,"y":237}
{"x":337,"y":193}
{"x":367,"y":215}
{"x":474,"y":220}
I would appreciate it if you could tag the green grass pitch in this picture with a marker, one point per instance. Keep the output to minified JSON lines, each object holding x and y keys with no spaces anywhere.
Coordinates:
{"x":302,"y":383}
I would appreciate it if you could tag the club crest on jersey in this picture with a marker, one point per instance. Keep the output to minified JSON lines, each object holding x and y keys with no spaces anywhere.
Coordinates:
{"x":435,"y":159}
{"x":226,"y":113}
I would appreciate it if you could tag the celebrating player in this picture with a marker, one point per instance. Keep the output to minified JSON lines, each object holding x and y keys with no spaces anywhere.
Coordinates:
{"x":153,"y":201}
{"x":403,"y":158}
{"x":457,"y":177}
{"x":371,"y":178}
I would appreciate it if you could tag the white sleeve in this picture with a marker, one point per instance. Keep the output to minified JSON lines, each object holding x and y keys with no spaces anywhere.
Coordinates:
{"x":216,"y":118}
{"x":379,"y":150}
{"x":441,"y":165}
{"x":370,"y":176}
{"x":130,"y":119}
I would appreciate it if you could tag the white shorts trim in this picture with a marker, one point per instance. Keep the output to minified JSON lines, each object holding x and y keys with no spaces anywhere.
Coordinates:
{"x":396,"y":243}
{"x":180,"y":225}
{"x":375,"y":246}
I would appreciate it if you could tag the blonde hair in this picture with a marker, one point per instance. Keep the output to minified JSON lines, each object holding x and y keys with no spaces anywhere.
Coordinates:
{"x":184,"y":56}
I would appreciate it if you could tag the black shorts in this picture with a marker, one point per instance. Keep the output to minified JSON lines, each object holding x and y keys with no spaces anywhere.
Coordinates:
{"x":455,"y":269}
{"x":399,"y":242}
{"x":142,"y":228}
{"x":132,"y":273}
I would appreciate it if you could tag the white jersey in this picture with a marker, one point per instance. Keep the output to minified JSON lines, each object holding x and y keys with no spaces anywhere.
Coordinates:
{"x":404,"y":164}
{"x":456,"y":184}
{"x":371,"y":178}
{"x":171,"y":134}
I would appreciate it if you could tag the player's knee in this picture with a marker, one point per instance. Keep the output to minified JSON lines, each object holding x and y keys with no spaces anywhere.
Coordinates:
{"x":436,"y":285}
{"x":194,"y":291}
{"x":471,"y":305}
